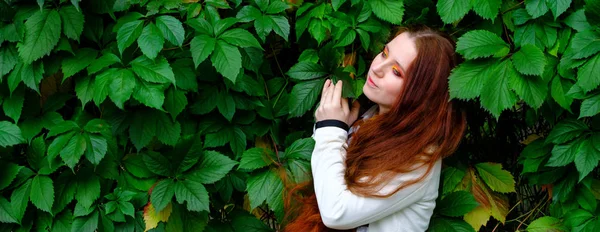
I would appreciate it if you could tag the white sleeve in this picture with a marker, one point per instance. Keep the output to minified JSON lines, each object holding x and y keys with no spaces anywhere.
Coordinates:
{"x":340,"y":208}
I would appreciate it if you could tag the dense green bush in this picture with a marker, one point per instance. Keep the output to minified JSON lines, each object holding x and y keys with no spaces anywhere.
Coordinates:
{"x":187,"y":115}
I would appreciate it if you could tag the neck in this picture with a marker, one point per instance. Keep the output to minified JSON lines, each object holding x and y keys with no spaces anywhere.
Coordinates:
{"x":382,"y":109}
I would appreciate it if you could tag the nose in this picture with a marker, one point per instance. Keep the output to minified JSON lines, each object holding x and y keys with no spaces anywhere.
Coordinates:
{"x":379,"y":66}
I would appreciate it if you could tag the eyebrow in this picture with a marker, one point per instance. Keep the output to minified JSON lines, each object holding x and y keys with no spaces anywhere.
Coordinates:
{"x":399,"y":65}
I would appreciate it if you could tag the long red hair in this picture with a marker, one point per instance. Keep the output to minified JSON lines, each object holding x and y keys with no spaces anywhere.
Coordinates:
{"x":393,"y":142}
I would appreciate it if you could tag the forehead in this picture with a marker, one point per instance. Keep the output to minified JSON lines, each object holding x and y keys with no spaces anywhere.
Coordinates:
{"x":403,"y":49}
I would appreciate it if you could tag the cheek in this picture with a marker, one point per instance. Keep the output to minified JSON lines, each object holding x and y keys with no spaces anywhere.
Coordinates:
{"x":393,"y":86}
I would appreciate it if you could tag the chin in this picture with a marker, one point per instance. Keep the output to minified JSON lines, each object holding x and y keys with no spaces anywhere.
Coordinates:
{"x":368,"y":92}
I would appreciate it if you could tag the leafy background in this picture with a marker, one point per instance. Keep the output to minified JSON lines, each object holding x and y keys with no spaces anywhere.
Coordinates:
{"x":187,"y":115}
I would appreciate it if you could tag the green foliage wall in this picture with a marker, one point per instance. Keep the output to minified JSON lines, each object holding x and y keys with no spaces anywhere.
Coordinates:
{"x":188,"y":115}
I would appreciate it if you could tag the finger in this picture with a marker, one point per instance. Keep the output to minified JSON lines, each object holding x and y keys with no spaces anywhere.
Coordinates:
{"x":337,"y":92}
{"x":328,"y":93}
{"x":345,"y":108}
{"x":325,"y":87}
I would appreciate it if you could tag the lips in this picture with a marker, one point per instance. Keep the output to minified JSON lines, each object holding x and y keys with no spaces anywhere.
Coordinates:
{"x":370,"y":82}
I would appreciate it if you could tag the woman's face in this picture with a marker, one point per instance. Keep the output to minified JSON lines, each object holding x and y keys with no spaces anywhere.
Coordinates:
{"x":388,"y":70}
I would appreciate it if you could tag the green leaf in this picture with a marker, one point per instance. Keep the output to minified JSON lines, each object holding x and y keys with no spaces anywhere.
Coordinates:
{"x":365,"y":38}
{"x":532,"y":89}
{"x":6,"y":212}
{"x":590,"y":107}
{"x":306,"y":71}
{"x":487,"y":9}
{"x":104,"y":61}
{"x":96,"y":148}
{"x":248,"y":13}
{"x":587,"y":75}
{"x":564,"y":154}
{"x":142,"y":130}
{"x":263,"y":26}
{"x":451,"y":11}
{"x":122,"y":83}
{"x":444,"y":224}
{"x":592,"y":11}
{"x":101,"y":85}
{"x":578,"y":21}
{"x":10,"y":134}
{"x":157,"y":163}
{"x":162,"y":194}
{"x":42,"y":34}
{"x":185,"y":76}
{"x":63,"y":222}
{"x":73,"y":151}
{"x":496,"y":178}
{"x":201,"y":47}
{"x":128,"y":33}
{"x":8,"y":59}
{"x":303,"y":97}
{"x":20,"y":199}
{"x":62,"y":127}
{"x":254,"y":158}
{"x":457,"y":204}
{"x":59,"y":143}
{"x":276,"y":7}
{"x":87,"y":223}
{"x":558,"y":6}
{"x":8,"y":172}
{"x":171,"y":29}
{"x":263,"y":186}
{"x":337,"y":3}
{"x":150,"y":94}
{"x":194,"y":193}
{"x":587,"y":158}
{"x":584,"y":44}
{"x":227,"y":60}
{"x":300,"y":149}
{"x":175,"y":101}
{"x":544,"y":224}
{"x":213,"y":167}
{"x":136,"y":166}
{"x":536,"y":8}
{"x":495,"y":94}
{"x":88,"y":188}
{"x":42,"y":193}
{"x":157,"y":71}
{"x":388,"y":10}
{"x":240,"y":37}
{"x":280,"y":26}
{"x":167,"y":130}
{"x":72,"y":20}
{"x":151,"y":41}
{"x":480,"y":43}
{"x":13,"y":105}
{"x":559,"y":89}
{"x":565,"y":131}
{"x":84,"y":89}
{"x":466,"y":80}
{"x":529,"y":60}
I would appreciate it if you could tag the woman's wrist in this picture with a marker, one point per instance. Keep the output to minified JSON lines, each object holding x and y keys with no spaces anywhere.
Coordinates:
{"x":332,"y":122}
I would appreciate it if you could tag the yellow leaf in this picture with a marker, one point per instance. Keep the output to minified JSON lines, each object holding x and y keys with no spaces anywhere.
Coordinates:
{"x":151,"y":218}
{"x":477,"y":217}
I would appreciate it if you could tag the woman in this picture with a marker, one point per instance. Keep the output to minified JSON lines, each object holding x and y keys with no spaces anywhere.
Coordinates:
{"x":384,"y":175}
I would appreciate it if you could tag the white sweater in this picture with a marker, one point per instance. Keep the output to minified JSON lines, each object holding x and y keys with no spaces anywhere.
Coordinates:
{"x":407,"y":210}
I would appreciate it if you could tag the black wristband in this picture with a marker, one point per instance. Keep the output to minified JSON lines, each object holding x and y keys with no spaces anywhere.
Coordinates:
{"x":332,"y":122}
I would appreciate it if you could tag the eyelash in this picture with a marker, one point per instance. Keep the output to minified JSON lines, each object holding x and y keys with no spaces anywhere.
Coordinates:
{"x":394,"y":69}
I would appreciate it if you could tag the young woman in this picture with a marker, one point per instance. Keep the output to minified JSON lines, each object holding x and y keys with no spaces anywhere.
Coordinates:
{"x":383,"y":173}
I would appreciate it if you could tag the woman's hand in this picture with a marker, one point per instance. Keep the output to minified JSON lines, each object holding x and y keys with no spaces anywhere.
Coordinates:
{"x":333,"y":106}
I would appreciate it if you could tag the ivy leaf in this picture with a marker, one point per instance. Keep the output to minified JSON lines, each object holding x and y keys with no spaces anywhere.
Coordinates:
{"x":151,"y":41}
{"x":536,"y":8}
{"x":263,"y":26}
{"x":42,"y":193}
{"x":8,"y":173}
{"x":592,"y":11}
{"x":565,"y":131}
{"x":457,"y":204}
{"x":157,"y":71}
{"x":221,"y":25}
{"x":559,"y":89}
{"x":480,"y":43}
{"x":247,"y":14}
{"x":587,"y":158}
{"x":201,"y":47}
{"x":240,"y":37}
{"x":306,"y":71}
{"x":276,"y":7}
{"x":73,"y":151}
{"x":167,"y":130}
{"x":531,"y":88}
{"x":104,"y":61}
{"x":84,"y":89}
{"x":62,"y":127}
{"x":72,"y":20}
{"x":444,"y":224}
{"x":6,"y":212}
{"x":42,"y":34}
{"x":150,"y":94}
{"x":194,"y":193}
{"x":128,"y":33}
{"x":280,"y":26}
{"x":87,"y":223}
{"x":101,"y":85}
{"x":578,"y":21}
{"x":337,"y":3}
{"x":584,"y":44}
{"x":122,"y":83}
{"x":529,"y":60}
{"x":213,"y":167}
{"x":83,"y":58}
{"x":88,"y":188}
{"x":487,"y":9}
{"x":254,"y":158}
{"x":467,"y":80}
{"x":304,"y":96}
{"x":10,"y":134}
{"x":227,"y":60}
{"x":388,"y":10}
{"x":8,"y":59}
{"x":20,"y":199}
{"x":300,"y":149}
{"x":558,"y":6}
{"x":545,"y":223}
{"x":496,"y":95}
{"x":451,"y":10}
{"x":590,"y":107}
{"x":588,"y":74}
{"x":175,"y":102}
{"x":142,"y":130}
{"x":171,"y":29}
{"x":564,"y":154}
{"x":496,"y":178}
{"x":263,"y":186}
{"x":96,"y":148}
{"x":162,"y":194}
{"x":157,"y":163}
